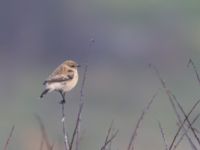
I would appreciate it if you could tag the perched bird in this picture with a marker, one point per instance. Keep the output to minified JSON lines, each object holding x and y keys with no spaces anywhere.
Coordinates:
{"x":63,"y":79}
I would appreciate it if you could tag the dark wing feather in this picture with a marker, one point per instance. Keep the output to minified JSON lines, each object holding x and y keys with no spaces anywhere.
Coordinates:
{"x":61,"y":74}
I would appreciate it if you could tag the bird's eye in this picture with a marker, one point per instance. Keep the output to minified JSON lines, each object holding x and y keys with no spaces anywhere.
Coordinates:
{"x":73,"y":66}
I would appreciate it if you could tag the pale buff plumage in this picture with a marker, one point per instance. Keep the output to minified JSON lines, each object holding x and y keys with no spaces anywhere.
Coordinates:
{"x":63,"y":79}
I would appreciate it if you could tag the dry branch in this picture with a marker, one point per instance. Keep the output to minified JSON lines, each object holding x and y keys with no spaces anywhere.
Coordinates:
{"x":163,"y":135}
{"x":41,"y":145}
{"x":79,"y":118}
{"x":169,"y":94}
{"x":195,"y":69}
{"x":190,"y":125}
{"x":45,"y":139}
{"x":181,"y":138}
{"x":109,"y":137}
{"x":66,"y":139}
{"x":197,"y":130}
{"x":187,"y":116}
{"x":9,"y":138}
{"x":110,"y":140}
{"x":76,"y":127}
{"x":109,"y":131}
{"x":131,"y":143}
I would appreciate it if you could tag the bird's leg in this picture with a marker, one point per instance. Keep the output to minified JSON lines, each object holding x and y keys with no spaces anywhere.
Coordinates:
{"x":62,"y":102}
{"x":63,"y":97}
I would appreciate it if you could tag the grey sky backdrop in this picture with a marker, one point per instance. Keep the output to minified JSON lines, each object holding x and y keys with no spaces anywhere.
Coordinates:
{"x":37,"y":35}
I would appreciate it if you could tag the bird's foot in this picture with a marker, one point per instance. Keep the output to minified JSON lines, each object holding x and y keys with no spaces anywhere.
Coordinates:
{"x":62,"y":102}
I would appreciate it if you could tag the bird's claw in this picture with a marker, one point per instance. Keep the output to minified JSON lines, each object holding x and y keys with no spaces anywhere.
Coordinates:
{"x":62,"y":102}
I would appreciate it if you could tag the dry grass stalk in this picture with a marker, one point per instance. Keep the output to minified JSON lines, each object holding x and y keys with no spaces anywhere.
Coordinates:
{"x":169,"y":94}
{"x":181,"y":138}
{"x":66,"y":139}
{"x":109,"y":140}
{"x":109,"y":137}
{"x":187,"y":116}
{"x":9,"y":138}
{"x":109,"y":131}
{"x":197,"y":130}
{"x":190,"y":125}
{"x":45,"y":139}
{"x":163,"y":135}
{"x":131,"y":142}
{"x":76,"y":127}
{"x":195,"y":69}
{"x":41,"y":144}
{"x":79,"y":119}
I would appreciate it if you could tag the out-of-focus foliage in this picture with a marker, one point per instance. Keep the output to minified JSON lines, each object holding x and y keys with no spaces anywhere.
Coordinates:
{"x":37,"y":35}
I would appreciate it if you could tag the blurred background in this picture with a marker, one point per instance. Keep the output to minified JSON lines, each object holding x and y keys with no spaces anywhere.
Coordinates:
{"x":37,"y":35}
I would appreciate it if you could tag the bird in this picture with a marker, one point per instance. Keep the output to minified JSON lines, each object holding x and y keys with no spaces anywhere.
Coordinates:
{"x":63,"y":79}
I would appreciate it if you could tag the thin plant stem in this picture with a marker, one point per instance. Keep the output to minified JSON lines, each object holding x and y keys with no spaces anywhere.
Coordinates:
{"x":108,"y":141}
{"x":181,"y":126}
{"x":195,"y":69}
{"x":181,"y":138}
{"x":169,"y":93}
{"x":131,"y":142}
{"x":9,"y":138}
{"x":79,"y":119}
{"x":190,"y":125}
{"x":66,"y":140}
{"x":163,"y":135}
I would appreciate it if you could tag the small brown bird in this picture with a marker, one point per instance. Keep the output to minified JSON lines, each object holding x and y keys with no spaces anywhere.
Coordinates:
{"x":63,"y":79}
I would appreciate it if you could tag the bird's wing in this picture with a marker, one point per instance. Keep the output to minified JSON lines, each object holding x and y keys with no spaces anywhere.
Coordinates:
{"x":61,"y":74}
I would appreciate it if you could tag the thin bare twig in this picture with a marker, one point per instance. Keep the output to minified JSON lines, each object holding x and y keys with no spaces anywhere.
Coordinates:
{"x":66,"y":139}
{"x":109,"y":131}
{"x":79,"y":119}
{"x":190,"y":125}
{"x":76,"y":126}
{"x":110,"y":146}
{"x":109,"y":140}
{"x":195,"y":69}
{"x":197,"y":130}
{"x":131,"y":143}
{"x":41,"y":144}
{"x":108,"y":135}
{"x":163,"y":135}
{"x":180,"y":121}
{"x":187,"y":116}
{"x":9,"y":138}
{"x":181,"y":138}
{"x":52,"y":146}
{"x":44,"y":133}
{"x":169,"y":93}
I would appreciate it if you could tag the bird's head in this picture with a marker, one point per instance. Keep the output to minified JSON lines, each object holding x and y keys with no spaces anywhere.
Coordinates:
{"x":72,"y":64}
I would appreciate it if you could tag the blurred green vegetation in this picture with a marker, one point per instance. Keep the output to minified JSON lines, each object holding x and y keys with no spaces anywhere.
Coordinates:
{"x":37,"y":35}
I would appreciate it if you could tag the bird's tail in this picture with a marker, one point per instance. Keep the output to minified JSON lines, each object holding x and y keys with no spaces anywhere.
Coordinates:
{"x":44,"y":93}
